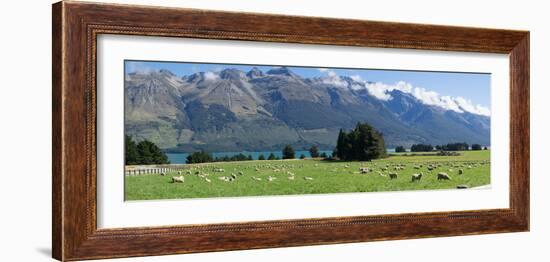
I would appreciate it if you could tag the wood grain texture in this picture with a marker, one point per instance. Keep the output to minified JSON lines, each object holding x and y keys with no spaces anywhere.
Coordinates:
{"x":76,"y":27}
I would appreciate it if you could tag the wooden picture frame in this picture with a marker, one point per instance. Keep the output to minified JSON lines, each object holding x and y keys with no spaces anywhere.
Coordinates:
{"x":76,"y":26}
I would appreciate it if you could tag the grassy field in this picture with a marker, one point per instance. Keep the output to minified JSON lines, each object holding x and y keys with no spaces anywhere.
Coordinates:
{"x":311,"y":176}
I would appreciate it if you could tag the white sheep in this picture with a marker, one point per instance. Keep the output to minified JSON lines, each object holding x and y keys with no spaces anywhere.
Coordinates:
{"x":416,"y":177}
{"x":308,"y":178}
{"x":178,"y":179}
{"x":443,"y":176}
{"x":393,"y":175}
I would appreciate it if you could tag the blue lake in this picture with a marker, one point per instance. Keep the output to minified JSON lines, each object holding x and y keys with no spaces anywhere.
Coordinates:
{"x":180,"y":158}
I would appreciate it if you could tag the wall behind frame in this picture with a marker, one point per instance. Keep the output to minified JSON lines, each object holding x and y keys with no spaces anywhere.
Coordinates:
{"x":25,"y":106}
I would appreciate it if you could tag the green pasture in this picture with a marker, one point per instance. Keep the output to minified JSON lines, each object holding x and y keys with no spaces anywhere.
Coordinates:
{"x":272,"y":177}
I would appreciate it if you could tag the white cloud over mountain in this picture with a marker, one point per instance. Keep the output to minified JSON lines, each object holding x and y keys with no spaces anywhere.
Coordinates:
{"x":457,"y":104}
{"x":210,"y":76}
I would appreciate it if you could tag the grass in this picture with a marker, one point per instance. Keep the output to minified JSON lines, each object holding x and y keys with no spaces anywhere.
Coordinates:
{"x":328,"y":177}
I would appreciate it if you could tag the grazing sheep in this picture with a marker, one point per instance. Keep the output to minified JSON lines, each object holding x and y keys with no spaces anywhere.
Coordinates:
{"x":381,"y":174}
{"x":226,"y":179}
{"x":416,"y":177}
{"x":393,"y":175}
{"x":443,"y":176}
{"x":178,"y":179}
{"x":240,"y":173}
{"x":308,"y":178}
{"x":207,"y":180}
{"x":416,"y":167}
{"x":271,"y":178}
{"x":219,"y":170}
{"x":364,"y":170}
{"x":233,"y":176}
{"x":291,"y":178}
{"x":163,"y":174}
{"x":179,"y":173}
{"x":257,"y":178}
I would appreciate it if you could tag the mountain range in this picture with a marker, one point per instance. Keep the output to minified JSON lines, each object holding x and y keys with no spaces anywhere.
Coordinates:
{"x":233,"y":110}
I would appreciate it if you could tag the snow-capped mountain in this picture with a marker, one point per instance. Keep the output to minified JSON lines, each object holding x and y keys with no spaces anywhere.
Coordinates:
{"x":232,"y":110}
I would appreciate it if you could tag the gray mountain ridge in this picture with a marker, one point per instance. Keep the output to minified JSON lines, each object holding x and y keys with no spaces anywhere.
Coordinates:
{"x":232,"y":110}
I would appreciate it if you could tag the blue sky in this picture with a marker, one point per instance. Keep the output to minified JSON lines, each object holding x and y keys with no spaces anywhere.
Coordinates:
{"x":471,"y":86}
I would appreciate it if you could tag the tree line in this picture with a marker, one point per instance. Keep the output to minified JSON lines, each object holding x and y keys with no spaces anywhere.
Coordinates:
{"x":459,"y":146}
{"x":287,"y":153}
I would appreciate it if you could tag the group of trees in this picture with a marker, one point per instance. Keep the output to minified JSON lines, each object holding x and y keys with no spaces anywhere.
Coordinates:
{"x":400,"y":149}
{"x":287,"y":153}
{"x":203,"y":157}
{"x":270,"y":157}
{"x":448,"y":147}
{"x":143,"y":153}
{"x":363,"y":143}
{"x":422,"y":148}
{"x":453,"y":147}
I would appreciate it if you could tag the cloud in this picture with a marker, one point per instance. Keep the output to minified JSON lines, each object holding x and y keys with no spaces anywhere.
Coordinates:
{"x":210,"y":76}
{"x":457,"y":104}
{"x":379,"y":90}
{"x":332,"y":78}
{"x":467,"y":105}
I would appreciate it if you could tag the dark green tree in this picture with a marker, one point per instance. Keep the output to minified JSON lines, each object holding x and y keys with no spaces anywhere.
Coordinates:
{"x":261,"y":157}
{"x":271,"y":157}
{"x":424,"y":148}
{"x":454,"y":147}
{"x":302,"y":156}
{"x":149,"y":153}
{"x":199,"y":157}
{"x":249,"y":157}
{"x":314,"y":151}
{"x":343,"y":145}
{"x":363,"y":143}
{"x":130,"y":151}
{"x":476,"y":147}
{"x":400,"y":149}
{"x":288,"y":152}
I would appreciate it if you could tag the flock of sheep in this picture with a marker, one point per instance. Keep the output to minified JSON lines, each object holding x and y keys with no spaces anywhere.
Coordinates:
{"x":441,"y":170}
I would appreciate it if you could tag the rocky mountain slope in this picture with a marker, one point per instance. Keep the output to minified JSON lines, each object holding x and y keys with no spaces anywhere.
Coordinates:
{"x":232,"y":110}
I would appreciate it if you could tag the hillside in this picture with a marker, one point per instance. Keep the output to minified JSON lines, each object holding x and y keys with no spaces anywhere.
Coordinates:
{"x":232,"y":110}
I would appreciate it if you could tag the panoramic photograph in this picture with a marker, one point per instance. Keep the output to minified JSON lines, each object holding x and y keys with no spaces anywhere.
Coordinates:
{"x":207,"y":130}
